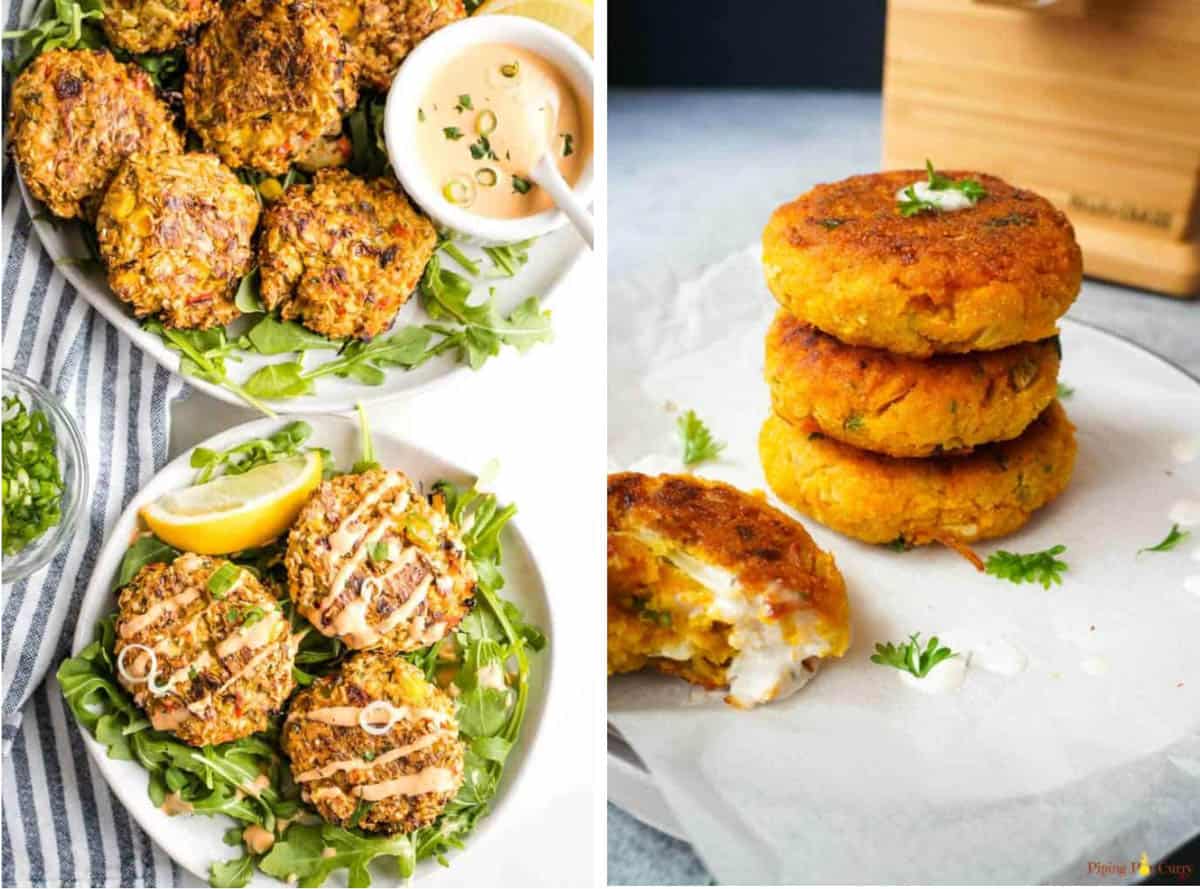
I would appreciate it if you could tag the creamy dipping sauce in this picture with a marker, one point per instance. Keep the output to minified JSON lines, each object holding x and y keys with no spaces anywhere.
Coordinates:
{"x":484,"y":121}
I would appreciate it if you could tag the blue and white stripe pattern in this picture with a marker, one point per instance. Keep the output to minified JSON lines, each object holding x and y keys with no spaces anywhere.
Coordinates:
{"x":62,"y":826}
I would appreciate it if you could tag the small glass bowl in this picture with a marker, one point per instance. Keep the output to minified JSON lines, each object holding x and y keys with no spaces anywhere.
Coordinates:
{"x":72,"y":463}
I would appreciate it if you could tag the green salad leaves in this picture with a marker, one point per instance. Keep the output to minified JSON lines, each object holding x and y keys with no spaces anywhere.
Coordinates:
{"x":249,"y":780}
{"x":471,"y":330}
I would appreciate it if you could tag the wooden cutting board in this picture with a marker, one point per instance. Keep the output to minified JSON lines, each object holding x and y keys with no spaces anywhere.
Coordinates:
{"x":1093,"y":103}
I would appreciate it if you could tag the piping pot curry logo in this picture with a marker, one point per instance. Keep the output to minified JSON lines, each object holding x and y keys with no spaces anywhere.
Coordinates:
{"x":1141,"y":868}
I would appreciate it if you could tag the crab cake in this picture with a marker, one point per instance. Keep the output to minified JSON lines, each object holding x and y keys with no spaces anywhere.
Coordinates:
{"x":155,"y":26}
{"x":342,"y":255}
{"x":75,"y":115}
{"x":377,"y":564}
{"x":175,"y":232}
{"x":266,"y":82}
{"x":998,"y":273}
{"x":714,"y":585}
{"x":382,"y":32}
{"x":902,"y":406}
{"x":204,"y":649}
{"x":375,"y":746}
{"x":952,"y":500}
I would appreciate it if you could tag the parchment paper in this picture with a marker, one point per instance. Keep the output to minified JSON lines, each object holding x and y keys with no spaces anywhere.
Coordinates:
{"x":1090,"y":755}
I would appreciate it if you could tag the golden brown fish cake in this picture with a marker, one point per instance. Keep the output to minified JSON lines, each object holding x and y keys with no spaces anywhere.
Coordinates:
{"x":175,"y":232}
{"x":155,"y":26}
{"x":74,"y":116}
{"x":266,"y":82}
{"x":1002,"y":272}
{"x":342,"y":768}
{"x":903,"y":406}
{"x":988,"y":493}
{"x":223,"y":649}
{"x":343,"y":255}
{"x":716,"y":586}
{"x":382,"y":32}
{"x":379,"y":565}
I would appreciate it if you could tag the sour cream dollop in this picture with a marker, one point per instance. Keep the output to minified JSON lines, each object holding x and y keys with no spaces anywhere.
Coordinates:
{"x":945,"y":199}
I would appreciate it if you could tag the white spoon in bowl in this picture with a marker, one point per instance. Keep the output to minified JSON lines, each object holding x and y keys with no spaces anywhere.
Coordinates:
{"x":545,"y":174}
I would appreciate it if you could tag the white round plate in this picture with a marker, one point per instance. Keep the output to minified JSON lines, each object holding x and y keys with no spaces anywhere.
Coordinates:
{"x":550,"y":260}
{"x":195,"y":841}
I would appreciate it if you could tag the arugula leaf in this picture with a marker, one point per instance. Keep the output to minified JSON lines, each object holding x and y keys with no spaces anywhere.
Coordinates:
{"x":234,"y":873}
{"x":1173,"y":539}
{"x":145,"y":551}
{"x":1040,"y":567}
{"x":445,"y":295}
{"x":203,"y":357}
{"x":61,"y":24}
{"x":508,"y":259}
{"x":368,"y":156}
{"x":279,"y":381}
{"x":698,"y":443}
{"x":271,"y":336}
{"x":302,"y":852}
{"x":248,"y":297}
{"x":249,"y":454}
{"x":909,"y":657}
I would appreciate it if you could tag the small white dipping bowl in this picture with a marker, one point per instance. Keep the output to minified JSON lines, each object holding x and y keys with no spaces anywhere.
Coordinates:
{"x":408,"y":91}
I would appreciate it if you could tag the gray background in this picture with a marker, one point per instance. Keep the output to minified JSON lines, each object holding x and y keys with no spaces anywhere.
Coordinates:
{"x":693,"y":176}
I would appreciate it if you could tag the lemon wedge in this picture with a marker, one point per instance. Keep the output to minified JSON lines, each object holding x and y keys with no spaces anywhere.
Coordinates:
{"x":235,"y":512}
{"x":571,"y":17}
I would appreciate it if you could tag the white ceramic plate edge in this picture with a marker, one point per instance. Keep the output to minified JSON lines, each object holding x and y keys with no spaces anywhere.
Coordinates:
{"x":99,"y":599}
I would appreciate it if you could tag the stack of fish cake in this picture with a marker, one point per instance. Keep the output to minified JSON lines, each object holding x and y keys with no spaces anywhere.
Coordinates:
{"x":913,"y":364}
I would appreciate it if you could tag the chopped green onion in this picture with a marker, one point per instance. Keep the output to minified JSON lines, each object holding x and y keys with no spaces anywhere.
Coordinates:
{"x":486,"y":122}
{"x":458,"y":191}
{"x":32,"y":479}
{"x":486,"y":177}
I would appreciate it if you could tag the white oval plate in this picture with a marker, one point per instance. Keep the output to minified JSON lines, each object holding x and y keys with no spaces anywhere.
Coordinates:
{"x":195,"y":841}
{"x":550,"y":260}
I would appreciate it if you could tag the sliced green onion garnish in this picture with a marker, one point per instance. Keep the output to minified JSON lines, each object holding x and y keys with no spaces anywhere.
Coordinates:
{"x":485,"y":123}
{"x":33,"y":485}
{"x":486,"y":177}
{"x":458,"y":191}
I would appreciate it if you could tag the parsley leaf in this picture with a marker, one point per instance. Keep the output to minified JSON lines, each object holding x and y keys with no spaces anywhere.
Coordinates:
{"x":1042,"y":567}
{"x":909,"y":657}
{"x":698,"y":443}
{"x":911,"y":205}
{"x":1174,"y":538}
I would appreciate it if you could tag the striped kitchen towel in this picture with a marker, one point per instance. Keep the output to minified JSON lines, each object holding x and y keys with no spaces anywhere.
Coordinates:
{"x":62,"y":826}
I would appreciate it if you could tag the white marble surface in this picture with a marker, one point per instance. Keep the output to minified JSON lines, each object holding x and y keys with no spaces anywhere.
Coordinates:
{"x":693,"y":176}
